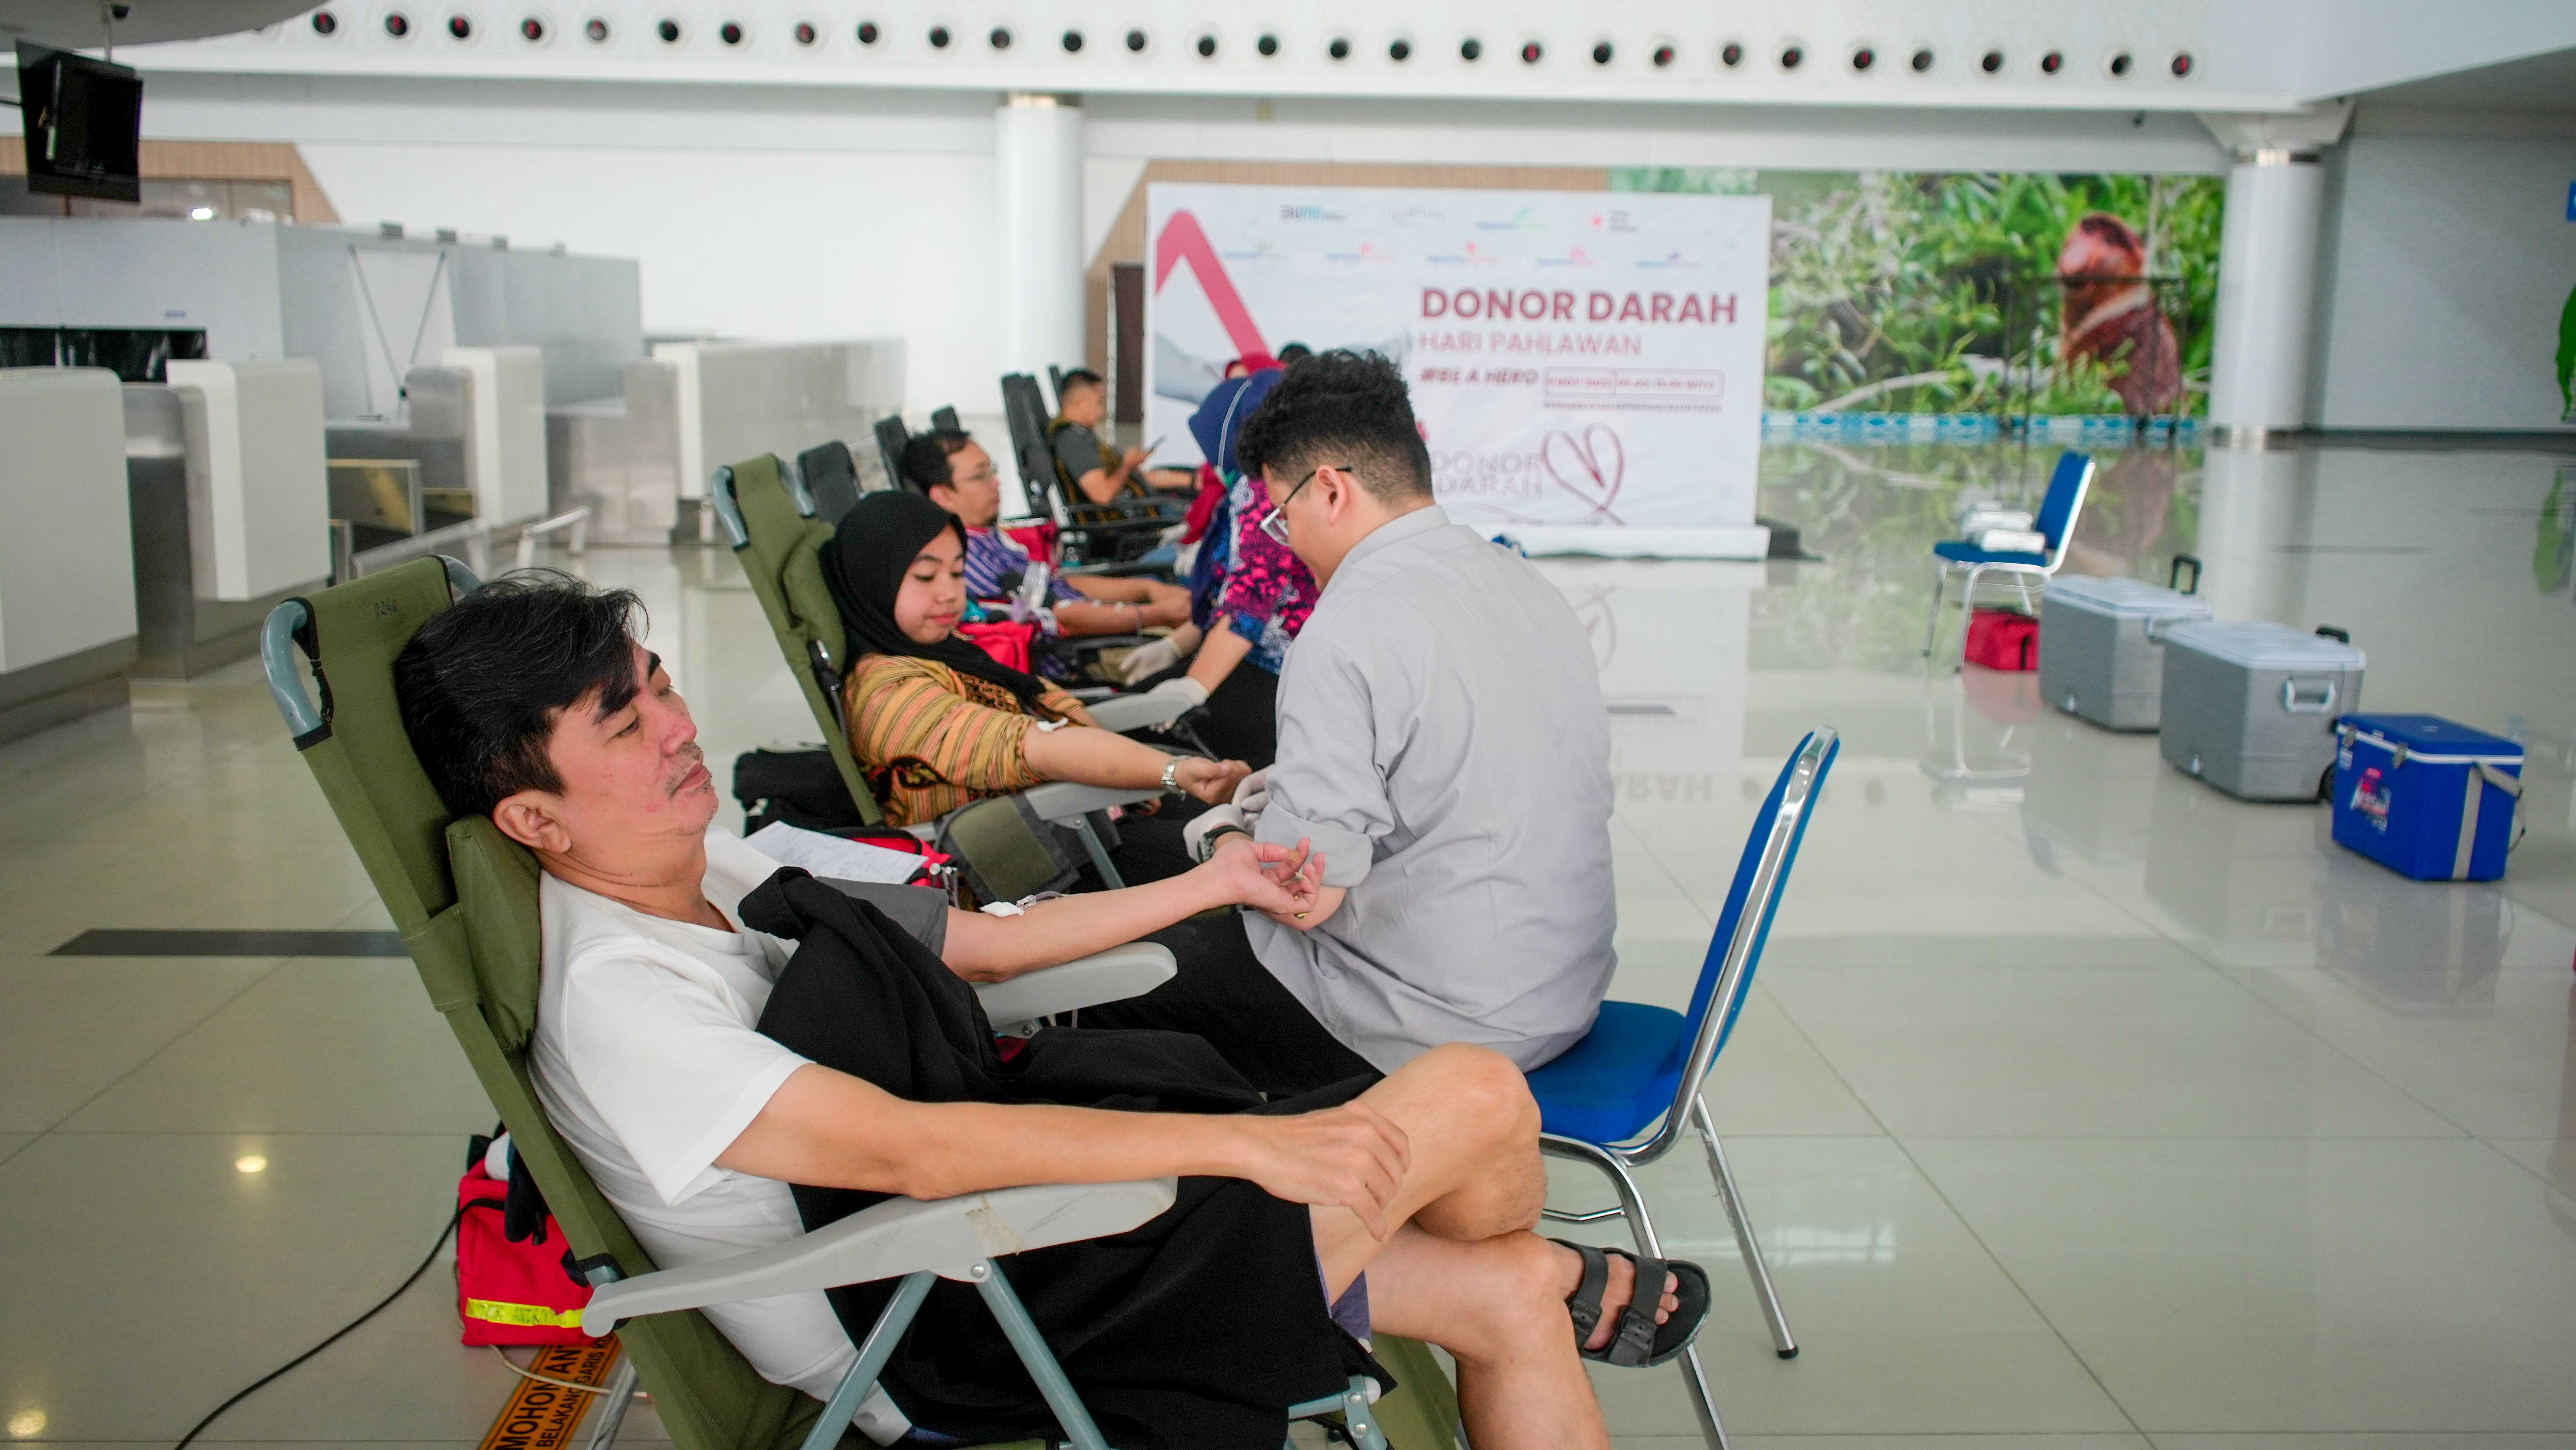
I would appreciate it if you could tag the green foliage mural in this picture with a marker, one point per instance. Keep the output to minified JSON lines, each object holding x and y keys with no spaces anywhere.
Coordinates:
{"x":2567,"y":359}
{"x":1981,"y":292}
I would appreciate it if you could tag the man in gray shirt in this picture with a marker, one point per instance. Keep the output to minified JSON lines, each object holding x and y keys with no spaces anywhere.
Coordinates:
{"x":1442,"y":744}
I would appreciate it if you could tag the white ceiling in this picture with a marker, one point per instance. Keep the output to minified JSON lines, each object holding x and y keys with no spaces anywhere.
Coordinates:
{"x":81,"y":23}
{"x":2536,"y":83}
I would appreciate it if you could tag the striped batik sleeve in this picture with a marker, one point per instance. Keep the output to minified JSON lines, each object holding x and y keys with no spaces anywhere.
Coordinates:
{"x":907,"y":713}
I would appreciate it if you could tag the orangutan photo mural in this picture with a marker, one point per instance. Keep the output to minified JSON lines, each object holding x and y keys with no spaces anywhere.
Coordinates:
{"x":1982,"y":292}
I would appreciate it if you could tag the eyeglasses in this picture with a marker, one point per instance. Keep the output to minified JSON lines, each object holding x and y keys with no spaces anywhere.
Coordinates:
{"x":1276,"y":525}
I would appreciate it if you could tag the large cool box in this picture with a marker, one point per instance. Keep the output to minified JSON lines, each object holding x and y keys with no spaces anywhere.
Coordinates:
{"x":2250,"y":707}
{"x":2426,"y":797}
{"x":2101,"y":647}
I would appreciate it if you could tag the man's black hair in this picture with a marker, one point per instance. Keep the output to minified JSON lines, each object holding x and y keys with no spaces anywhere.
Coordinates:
{"x":925,"y":458}
{"x":1340,"y":409}
{"x":1078,"y":378}
{"x":482,"y":682}
{"x":1294,"y":353}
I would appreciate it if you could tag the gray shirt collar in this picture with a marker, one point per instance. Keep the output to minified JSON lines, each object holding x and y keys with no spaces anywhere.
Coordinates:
{"x":1394,"y":531}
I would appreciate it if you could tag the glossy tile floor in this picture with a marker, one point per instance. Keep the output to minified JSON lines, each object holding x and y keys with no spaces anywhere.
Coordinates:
{"x":2075,"y":1103}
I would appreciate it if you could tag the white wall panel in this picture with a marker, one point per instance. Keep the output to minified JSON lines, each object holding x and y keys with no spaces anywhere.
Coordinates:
{"x":2450,"y":260}
{"x":258,"y":491}
{"x":66,"y":533}
{"x":760,"y":244}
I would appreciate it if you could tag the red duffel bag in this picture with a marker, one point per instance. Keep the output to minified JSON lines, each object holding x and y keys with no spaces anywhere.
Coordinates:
{"x":2003,"y":639}
{"x":1008,"y":643}
{"x":506,"y":1292}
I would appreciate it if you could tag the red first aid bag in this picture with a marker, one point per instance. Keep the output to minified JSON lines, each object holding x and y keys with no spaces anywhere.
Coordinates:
{"x":2001,"y":639}
{"x":1007,"y":643}
{"x":1038,"y":538}
{"x":512,"y":1293}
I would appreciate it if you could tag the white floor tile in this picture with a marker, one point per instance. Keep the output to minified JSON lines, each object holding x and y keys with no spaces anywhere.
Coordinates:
{"x":2118,"y":1052}
{"x":1905,"y":1323}
{"x":71,"y":1026}
{"x":320,"y":1046}
{"x":164,"y":1279}
{"x":2491,"y":1050}
{"x":2280,"y":1286}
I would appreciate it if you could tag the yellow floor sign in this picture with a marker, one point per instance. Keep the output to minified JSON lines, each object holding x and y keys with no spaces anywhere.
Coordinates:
{"x":543,"y":1416}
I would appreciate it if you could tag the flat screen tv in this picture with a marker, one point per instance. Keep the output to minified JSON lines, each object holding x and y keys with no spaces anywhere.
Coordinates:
{"x":84,"y":122}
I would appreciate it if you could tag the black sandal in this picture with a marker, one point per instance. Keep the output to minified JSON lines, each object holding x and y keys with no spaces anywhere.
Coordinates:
{"x":1640,"y":1342}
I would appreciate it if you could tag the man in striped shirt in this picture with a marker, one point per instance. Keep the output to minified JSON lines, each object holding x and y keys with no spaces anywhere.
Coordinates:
{"x":957,"y":474}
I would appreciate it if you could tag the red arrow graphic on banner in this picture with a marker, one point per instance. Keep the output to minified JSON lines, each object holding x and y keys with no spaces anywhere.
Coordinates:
{"x":1182,"y":241}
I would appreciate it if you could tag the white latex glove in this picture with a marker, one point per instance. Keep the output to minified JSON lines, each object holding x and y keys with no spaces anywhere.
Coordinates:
{"x":1148,"y":659}
{"x":1253,"y":792}
{"x":1180,"y":687}
{"x":1194,"y":836}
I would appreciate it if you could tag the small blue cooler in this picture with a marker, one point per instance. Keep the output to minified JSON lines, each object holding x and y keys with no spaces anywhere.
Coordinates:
{"x":2426,"y":797}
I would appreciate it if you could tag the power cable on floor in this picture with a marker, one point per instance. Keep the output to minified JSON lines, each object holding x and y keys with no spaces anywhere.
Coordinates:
{"x":262,"y":1382}
{"x":526,"y":1373}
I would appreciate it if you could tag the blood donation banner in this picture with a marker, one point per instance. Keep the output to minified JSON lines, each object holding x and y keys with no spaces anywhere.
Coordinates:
{"x":1575,"y":358}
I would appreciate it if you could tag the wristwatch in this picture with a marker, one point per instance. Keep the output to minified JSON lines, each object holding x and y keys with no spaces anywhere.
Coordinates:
{"x":1171,"y":775}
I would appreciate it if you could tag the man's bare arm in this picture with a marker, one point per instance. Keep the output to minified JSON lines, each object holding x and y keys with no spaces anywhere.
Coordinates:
{"x":983,"y":948}
{"x":832,"y":1130}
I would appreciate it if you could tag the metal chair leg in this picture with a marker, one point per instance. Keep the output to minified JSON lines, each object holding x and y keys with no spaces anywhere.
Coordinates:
{"x":614,"y":1402}
{"x":1039,"y":1360}
{"x":1641,"y":1229}
{"x":1781,"y":1340}
{"x":874,"y":1351}
{"x":1099,"y":854}
{"x":1932,"y":626}
{"x":1967,"y":613}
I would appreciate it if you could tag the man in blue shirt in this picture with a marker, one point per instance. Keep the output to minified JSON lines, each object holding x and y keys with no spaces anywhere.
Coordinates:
{"x":957,"y":474}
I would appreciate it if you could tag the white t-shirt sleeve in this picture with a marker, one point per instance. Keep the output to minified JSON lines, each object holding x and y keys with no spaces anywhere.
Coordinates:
{"x":666,"y":1060}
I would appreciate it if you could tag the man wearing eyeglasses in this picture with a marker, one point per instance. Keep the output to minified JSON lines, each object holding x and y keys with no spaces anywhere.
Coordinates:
{"x":1442,"y":745}
{"x":958,"y":475}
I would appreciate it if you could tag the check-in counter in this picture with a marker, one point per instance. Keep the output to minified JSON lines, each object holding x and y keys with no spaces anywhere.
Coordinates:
{"x":738,"y":400}
{"x":67,"y":619}
{"x":223,"y":469}
{"x":505,"y":441}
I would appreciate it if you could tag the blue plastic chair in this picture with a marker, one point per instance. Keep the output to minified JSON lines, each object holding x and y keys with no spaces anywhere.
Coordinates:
{"x":1640,"y":1063}
{"x":2058,"y":511}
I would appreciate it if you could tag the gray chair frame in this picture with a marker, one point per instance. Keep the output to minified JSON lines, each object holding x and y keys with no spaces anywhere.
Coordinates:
{"x":2021,"y":574}
{"x":1619,"y":1161}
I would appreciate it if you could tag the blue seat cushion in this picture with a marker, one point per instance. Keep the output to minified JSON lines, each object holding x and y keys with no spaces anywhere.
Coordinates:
{"x":1618,"y":1079}
{"x":1960,"y":551}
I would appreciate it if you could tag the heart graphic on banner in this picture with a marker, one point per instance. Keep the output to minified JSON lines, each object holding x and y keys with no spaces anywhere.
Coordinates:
{"x":1589,"y":467}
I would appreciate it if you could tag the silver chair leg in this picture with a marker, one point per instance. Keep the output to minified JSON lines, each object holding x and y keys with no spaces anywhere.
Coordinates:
{"x":1039,"y":1360}
{"x":1781,"y":1340}
{"x":1360,"y":1419}
{"x":1641,"y":1229}
{"x":1932,"y":626}
{"x":1967,"y":613}
{"x":874,"y":1351}
{"x":614,"y":1401}
{"x":1098,"y":853}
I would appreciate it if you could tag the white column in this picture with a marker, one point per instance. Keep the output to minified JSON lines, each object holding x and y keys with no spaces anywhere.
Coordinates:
{"x":2267,"y":293}
{"x":1038,"y":144}
{"x":2256,"y":506}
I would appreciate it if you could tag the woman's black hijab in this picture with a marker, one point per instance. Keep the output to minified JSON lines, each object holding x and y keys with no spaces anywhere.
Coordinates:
{"x":864,"y":564}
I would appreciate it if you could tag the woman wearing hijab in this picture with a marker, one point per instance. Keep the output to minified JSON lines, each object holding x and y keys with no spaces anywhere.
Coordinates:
{"x":936,"y":722}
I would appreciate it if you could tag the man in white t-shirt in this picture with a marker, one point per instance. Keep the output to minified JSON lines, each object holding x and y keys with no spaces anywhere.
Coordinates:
{"x":530,"y":701}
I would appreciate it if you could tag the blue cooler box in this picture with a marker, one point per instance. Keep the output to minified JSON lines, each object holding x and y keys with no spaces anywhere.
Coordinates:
{"x":2426,"y":797}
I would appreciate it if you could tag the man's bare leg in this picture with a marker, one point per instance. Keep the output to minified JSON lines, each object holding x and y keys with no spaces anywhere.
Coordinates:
{"x":1467,"y":1274}
{"x":1495,"y":1305}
